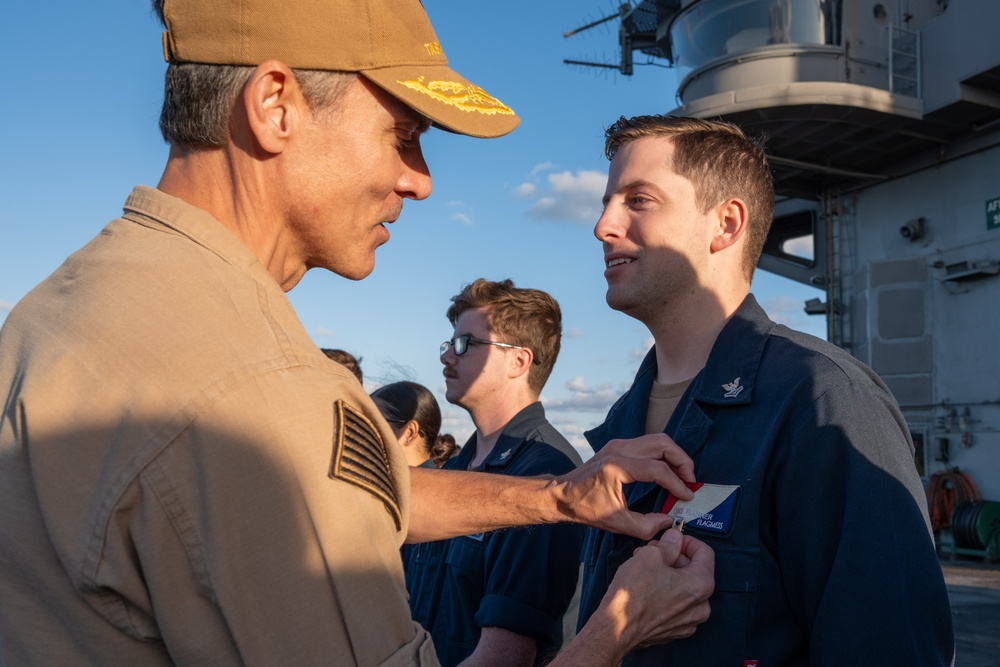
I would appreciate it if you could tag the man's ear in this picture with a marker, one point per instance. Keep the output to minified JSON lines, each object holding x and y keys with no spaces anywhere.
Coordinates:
{"x":732,"y":224}
{"x":273,"y":104}
{"x":521,"y":361}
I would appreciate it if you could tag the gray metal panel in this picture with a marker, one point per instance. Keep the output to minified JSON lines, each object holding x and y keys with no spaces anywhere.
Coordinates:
{"x":902,"y":357}
{"x":901,"y":313}
{"x":911,"y":390}
{"x":958,"y":46}
{"x":901,"y":271}
{"x":861,"y":280}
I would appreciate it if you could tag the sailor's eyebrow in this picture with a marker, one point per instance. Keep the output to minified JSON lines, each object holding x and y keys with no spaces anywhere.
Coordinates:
{"x":638,"y":183}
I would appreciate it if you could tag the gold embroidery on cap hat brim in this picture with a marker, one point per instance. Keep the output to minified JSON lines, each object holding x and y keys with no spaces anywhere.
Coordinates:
{"x":460,"y":96}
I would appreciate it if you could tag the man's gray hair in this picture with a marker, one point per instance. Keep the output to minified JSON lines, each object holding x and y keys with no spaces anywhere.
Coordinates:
{"x":198,"y":99}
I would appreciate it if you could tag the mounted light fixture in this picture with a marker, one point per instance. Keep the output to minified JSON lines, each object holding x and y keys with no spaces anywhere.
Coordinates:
{"x":913,"y":230}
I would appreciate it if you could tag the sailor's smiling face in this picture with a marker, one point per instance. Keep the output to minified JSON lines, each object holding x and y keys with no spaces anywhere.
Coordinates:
{"x":656,"y":240}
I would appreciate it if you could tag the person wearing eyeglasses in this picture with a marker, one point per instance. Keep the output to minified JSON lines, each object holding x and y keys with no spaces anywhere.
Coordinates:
{"x":500,"y":595}
{"x":185,"y":479}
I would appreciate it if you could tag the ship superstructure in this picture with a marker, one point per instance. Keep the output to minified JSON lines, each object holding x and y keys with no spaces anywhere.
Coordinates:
{"x":882,"y":123}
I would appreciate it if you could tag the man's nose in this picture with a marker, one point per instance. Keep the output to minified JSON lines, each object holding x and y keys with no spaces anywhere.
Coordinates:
{"x":606,"y":227}
{"x":415,"y":181}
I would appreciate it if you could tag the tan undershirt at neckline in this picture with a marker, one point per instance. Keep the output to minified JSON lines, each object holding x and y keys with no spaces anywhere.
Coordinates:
{"x":663,"y":400}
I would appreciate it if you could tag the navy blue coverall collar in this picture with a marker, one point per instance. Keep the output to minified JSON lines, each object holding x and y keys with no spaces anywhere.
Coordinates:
{"x":515,"y":435}
{"x":727,"y":379}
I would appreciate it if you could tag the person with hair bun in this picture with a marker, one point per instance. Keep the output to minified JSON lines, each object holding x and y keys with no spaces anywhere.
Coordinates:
{"x":499,"y":597}
{"x":415,"y":418}
{"x":185,"y":479}
{"x":444,"y":449}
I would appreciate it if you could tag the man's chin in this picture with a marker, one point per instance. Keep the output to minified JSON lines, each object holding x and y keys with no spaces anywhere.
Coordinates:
{"x":453,"y":394}
{"x":629,"y":305}
{"x":617,"y":301}
{"x":353,"y":272}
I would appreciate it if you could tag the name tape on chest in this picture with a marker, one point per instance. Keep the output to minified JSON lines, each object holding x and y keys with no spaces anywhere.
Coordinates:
{"x":711,"y":509}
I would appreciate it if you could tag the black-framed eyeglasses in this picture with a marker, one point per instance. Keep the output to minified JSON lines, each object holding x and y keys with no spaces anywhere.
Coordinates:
{"x":461,"y":343}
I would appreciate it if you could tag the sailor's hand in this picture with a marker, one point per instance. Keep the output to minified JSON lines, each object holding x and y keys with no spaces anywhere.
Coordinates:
{"x":660,"y":594}
{"x":592,"y":493}
{"x":662,"y":591}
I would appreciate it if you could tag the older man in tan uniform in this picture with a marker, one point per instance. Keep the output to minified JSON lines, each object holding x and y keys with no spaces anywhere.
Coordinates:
{"x":184,"y":477}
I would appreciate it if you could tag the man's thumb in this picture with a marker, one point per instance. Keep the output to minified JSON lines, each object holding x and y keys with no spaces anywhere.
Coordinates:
{"x":672,"y":540}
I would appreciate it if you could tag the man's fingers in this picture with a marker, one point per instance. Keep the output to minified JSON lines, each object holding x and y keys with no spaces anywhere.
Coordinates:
{"x":592,"y":493}
{"x":642,"y":470}
{"x":625,"y":470}
{"x":655,"y":446}
{"x":684,"y":628}
{"x":671,"y":544}
{"x":698,"y":552}
{"x":670,"y":580}
{"x":702,"y":558}
{"x":643,"y":526}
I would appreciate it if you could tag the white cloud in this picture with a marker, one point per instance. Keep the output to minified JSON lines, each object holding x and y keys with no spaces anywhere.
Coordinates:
{"x":538,"y":168}
{"x":573,"y":430}
{"x":800,"y":247}
{"x":790,"y":311}
{"x":584,"y":182}
{"x":601,"y":400}
{"x":5,"y":306}
{"x":453,"y":418}
{"x":570,"y":196}
{"x":569,"y":425}
{"x":583,"y":398}
{"x":456,"y":422}
{"x":526,"y":190}
{"x":641,"y":353}
{"x":463,"y":213}
{"x":573,"y":332}
{"x":325,"y":333}
{"x":784,"y":309}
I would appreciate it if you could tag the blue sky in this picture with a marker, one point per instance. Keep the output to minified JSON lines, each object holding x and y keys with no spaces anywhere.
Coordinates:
{"x":79,"y":127}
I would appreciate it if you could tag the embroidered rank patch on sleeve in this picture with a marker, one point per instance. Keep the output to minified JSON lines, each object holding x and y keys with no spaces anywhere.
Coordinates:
{"x":360,"y":458}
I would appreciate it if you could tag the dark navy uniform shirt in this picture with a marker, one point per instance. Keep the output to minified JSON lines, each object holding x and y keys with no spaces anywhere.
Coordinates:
{"x":520,"y":579}
{"x":824,"y":556}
